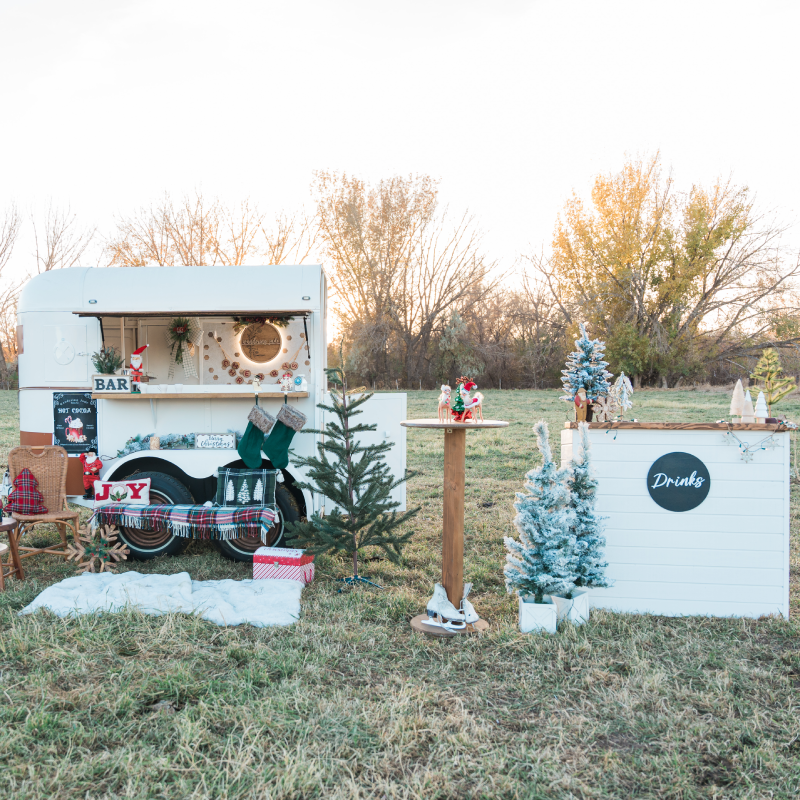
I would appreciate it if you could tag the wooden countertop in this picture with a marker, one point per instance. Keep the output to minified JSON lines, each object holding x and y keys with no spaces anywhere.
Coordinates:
{"x":682,"y":426}
{"x":199,"y":396}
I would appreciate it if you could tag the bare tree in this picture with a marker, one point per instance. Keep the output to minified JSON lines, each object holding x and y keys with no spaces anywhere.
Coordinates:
{"x":196,"y":231}
{"x":9,"y":230}
{"x":396,"y":261}
{"x":60,"y":242}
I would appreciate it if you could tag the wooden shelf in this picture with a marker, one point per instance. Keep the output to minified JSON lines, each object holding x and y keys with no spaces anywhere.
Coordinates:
{"x":200,"y":396}
{"x":682,"y":426}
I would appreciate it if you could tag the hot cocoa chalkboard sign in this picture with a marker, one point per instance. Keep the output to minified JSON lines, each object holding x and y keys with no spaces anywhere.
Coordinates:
{"x":75,"y":422}
{"x":678,"y":481}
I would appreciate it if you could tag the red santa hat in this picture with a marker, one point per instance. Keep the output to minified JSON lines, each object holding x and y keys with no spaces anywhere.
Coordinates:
{"x":470,"y":385}
{"x":140,"y":350}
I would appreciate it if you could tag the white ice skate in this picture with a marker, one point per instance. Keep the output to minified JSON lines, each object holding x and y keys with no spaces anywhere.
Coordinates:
{"x":442,"y":613}
{"x":470,"y":615}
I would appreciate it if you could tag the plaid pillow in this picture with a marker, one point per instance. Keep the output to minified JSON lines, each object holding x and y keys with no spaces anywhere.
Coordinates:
{"x":246,"y":487}
{"x":25,"y":497}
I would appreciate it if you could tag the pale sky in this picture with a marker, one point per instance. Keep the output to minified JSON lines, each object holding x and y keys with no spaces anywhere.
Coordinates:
{"x":105,"y":104}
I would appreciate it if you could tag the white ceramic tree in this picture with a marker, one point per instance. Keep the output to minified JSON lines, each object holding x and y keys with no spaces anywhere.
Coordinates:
{"x":737,"y":400}
{"x":748,"y":415}
{"x":761,"y":411}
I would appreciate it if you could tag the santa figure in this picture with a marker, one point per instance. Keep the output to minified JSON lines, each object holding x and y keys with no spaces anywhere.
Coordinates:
{"x":136,"y":367}
{"x":91,"y":470}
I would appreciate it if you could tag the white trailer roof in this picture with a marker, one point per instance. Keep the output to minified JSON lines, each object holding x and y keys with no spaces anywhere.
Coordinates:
{"x":157,"y":291}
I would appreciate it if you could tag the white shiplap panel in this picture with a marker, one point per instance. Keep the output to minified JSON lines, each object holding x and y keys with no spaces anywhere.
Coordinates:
{"x":697,"y":540}
{"x":676,"y":574}
{"x":727,"y":488}
{"x":729,"y":556}
{"x":743,"y":506}
{"x":692,"y":591}
{"x":736,"y":470}
{"x":716,"y":454}
{"x":707,"y":557}
{"x":677,"y":608}
{"x":670,"y":521}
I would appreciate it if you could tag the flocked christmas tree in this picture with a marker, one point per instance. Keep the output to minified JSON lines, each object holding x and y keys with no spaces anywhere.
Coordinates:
{"x":621,"y":393}
{"x":356,"y":480}
{"x":588,"y":525}
{"x":545,"y":559}
{"x":768,"y":378}
{"x":586,"y":369}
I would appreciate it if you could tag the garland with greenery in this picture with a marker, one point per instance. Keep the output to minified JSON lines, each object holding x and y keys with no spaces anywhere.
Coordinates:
{"x":170,"y":441}
{"x":240,"y":323}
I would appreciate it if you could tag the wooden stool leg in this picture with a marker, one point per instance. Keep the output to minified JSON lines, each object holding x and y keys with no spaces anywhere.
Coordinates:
{"x":455,"y":441}
{"x":2,"y":572}
{"x":13,"y":543}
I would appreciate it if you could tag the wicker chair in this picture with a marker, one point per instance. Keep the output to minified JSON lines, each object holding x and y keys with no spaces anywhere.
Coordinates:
{"x":48,"y":464}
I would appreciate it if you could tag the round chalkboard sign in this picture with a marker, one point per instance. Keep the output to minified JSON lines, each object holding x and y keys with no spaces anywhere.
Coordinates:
{"x":678,"y":481}
{"x":261,"y":342}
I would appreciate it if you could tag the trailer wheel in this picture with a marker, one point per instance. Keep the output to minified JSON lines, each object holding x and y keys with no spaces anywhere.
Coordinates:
{"x":144,"y":545}
{"x":242,"y":549}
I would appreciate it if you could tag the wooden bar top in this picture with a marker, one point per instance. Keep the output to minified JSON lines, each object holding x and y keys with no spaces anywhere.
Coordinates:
{"x":683,"y":426}
{"x":197,"y":396}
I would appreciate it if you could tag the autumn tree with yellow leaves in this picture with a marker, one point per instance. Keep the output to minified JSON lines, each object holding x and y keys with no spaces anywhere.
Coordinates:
{"x":670,"y":280}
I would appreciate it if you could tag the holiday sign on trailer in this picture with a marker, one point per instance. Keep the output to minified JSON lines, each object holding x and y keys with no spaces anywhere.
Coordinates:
{"x":697,"y":521}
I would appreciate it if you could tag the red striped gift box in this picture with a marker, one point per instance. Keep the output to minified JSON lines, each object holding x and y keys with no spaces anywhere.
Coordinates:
{"x":283,"y":562}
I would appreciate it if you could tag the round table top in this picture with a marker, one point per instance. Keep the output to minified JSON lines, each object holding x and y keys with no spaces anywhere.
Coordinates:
{"x":7,"y":526}
{"x":434,"y":423}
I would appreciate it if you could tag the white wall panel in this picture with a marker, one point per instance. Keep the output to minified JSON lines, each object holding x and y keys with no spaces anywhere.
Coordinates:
{"x":729,"y":556}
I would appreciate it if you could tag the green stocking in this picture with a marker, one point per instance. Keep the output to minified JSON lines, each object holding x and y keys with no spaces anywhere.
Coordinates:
{"x":276,"y":448}
{"x":259,"y":423}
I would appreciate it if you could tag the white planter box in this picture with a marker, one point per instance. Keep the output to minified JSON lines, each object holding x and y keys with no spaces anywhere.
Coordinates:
{"x":561,"y":604}
{"x":536,"y":616}
{"x":579,"y":608}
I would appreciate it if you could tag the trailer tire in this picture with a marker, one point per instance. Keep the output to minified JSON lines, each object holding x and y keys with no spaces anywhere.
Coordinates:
{"x":242,"y":549}
{"x":146,"y":545}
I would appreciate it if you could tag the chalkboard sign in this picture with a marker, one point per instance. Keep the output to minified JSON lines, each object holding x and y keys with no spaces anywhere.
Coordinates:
{"x":75,"y":422}
{"x":678,"y":481}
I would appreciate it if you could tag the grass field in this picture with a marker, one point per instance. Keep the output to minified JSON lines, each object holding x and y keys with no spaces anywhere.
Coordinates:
{"x":349,"y":703}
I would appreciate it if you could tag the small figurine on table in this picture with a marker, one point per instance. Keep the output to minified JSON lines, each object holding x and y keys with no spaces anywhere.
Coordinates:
{"x":581,"y":405}
{"x":460,"y":406}
{"x":287,"y":382}
{"x":136,"y":368}
{"x":91,"y":471}
{"x":444,"y":403}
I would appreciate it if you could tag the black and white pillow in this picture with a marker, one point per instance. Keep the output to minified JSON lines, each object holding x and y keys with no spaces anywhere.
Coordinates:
{"x":246,"y":487}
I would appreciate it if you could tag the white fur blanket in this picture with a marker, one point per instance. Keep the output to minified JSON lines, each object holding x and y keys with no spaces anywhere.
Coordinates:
{"x":259,"y":603}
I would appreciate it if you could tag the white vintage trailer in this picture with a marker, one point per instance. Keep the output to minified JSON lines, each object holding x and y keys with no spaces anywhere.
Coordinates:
{"x":65,"y":316}
{"x":706,"y":534}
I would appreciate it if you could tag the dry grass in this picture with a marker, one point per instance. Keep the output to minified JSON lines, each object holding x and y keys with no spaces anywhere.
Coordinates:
{"x":349,"y":703}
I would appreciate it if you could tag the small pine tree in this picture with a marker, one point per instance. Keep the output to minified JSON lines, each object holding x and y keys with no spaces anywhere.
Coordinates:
{"x":586,"y":369}
{"x":588,"y":525}
{"x":767,"y":377}
{"x":457,"y":403}
{"x":258,"y":492}
{"x":244,"y":494}
{"x":544,"y":560}
{"x":621,"y":393}
{"x":356,"y":479}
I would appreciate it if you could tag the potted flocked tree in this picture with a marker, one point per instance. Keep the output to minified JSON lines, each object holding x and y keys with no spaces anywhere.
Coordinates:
{"x":542,"y":566}
{"x":588,"y":526}
{"x":586,"y":369}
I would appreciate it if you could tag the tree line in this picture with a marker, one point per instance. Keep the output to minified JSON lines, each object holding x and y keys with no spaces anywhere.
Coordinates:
{"x":684,"y":286}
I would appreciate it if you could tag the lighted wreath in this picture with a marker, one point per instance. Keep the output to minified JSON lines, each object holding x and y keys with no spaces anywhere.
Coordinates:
{"x":183,"y":335}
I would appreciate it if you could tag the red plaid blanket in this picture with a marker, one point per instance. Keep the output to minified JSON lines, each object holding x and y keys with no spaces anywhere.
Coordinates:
{"x":192,"y":522}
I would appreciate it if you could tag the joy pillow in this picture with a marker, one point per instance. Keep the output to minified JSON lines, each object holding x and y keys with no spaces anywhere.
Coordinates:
{"x":130,"y":492}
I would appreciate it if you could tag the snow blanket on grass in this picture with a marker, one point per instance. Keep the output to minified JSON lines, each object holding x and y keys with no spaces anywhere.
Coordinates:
{"x":228,"y":602}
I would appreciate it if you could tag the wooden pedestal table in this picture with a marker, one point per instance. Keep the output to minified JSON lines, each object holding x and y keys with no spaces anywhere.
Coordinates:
{"x":455,"y":435}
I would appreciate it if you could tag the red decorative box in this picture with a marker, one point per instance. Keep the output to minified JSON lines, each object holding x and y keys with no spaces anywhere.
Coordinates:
{"x":283,"y":562}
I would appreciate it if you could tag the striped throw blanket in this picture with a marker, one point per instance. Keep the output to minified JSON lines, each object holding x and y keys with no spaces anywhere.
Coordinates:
{"x":191,"y":522}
